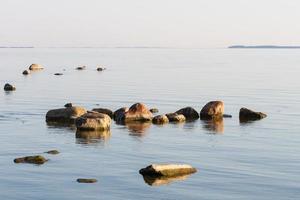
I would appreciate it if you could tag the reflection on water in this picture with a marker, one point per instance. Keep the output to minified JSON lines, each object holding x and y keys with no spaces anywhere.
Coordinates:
{"x":138,"y":128}
{"x":215,"y":126}
{"x":90,"y":137}
{"x":53,"y":125}
{"x":163,"y":180}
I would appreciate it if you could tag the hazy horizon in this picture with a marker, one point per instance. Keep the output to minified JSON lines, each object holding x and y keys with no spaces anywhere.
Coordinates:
{"x":141,"y":23}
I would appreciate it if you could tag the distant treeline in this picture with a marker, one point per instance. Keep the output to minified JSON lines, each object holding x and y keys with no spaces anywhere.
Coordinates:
{"x":16,"y":47}
{"x":263,"y":47}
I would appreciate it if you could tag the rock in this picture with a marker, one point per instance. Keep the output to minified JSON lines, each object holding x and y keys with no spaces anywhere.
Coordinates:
{"x":86,"y":180}
{"x":119,"y":114}
{"x":212,"y":110}
{"x":227,"y":116}
{"x":174,"y":117}
{"x":26,"y":72}
{"x":93,"y":121}
{"x":167,"y":170}
{"x":68,"y":105}
{"x":249,"y":115}
{"x":160,"y":119}
{"x":31,"y":159}
{"x":104,"y":111}
{"x":81,"y":68}
{"x":138,"y":112}
{"x":65,"y":115}
{"x":54,"y":152}
{"x":9,"y":87}
{"x":189,"y":113}
{"x":36,"y":67}
{"x":101,"y":68}
{"x":58,"y":74}
{"x":154,"y":110}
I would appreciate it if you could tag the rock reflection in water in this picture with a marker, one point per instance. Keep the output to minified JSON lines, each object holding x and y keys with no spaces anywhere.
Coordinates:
{"x":216,"y":126}
{"x":59,"y":125}
{"x":163,"y":180}
{"x":138,"y":128}
{"x":88,"y":137}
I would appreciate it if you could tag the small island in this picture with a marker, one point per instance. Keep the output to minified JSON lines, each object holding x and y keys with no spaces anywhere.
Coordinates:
{"x":263,"y":47}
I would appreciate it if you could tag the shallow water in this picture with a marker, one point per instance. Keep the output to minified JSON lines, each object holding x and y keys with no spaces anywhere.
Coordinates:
{"x":258,"y":160}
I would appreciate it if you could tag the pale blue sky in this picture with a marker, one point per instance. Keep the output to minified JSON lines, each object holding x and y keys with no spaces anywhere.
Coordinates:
{"x":173,"y":23}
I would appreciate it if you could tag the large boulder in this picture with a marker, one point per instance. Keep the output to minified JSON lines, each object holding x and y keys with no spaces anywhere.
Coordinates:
{"x":137,"y":112}
{"x":65,"y":115}
{"x":212,"y":110}
{"x":119,"y":114}
{"x":174,"y":117}
{"x":104,"y":111}
{"x":167,"y":170}
{"x":160,"y":119}
{"x":31,"y":160}
{"x":9,"y":87}
{"x":93,"y":121}
{"x":189,"y":113}
{"x":250,"y":115}
{"x":36,"y":67}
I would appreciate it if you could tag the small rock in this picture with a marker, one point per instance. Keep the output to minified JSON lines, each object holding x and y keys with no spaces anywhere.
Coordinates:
{"x":9,"y":87}
{"x":104,"y":111}
{"x":249,"y":115}
{"x":160,"y":119}
{"x":212,"y":110}
{"x":86,"y":180}
{"x":101,"y":68}
{"x":174,"y":117}
{"x":227,"y":116}
{"x":31,"y":159}
{"x":54,"y":152}
{"x":58,"y":74}
{"x":65,"y":115}
{"x":26,"y":72}
{"x":36,"y":67}
{"x":119,"y":114}
{"x":189,"y":113}
{"x":154,"y":110}
{"x":81,"y":68}
{"x":68,"y":105}
{"x":167,"y":170}
{"x":93,"y":121}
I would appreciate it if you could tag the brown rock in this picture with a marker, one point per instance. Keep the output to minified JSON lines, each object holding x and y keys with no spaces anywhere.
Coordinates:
{"x":54,"y":152}
{"x":36,"y":67}
{"x":31,"y":160}
{"x":65,"y":115}
{"x":174,"y":117}
{"x":104,"y":111}
{"x":249,"y":115}
{"x":160,"y":119}
{"x":93,"y":121}
{"x":167,"y":170}
{"x":189,"y":113}
{"x":212,"y":110}
{"x":86,"y":180}
{"x":138,"y":112}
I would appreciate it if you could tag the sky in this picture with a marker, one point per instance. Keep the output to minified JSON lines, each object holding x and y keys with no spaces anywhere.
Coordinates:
{"x":155,"y":23}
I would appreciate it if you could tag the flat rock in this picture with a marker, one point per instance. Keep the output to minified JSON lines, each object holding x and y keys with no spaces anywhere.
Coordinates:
{"x":174,"y":117}
{"x":189,"y":113}
{"x":250,"y":115}
{"x":65,"y":115}
{"x":86,"y":180}
{"x":167,"y":170}
{"x":81,"y":68}
{"x":212,"y":110}
{"x":58,"y":74}
{"x":104,"y":111}
{"x":160,"y":119}
{"x":93,"y":121}
{"x":9,"y":87}
{"x":31,"y":160}
{"x":53,"y":152}
{"x":35,"y":67}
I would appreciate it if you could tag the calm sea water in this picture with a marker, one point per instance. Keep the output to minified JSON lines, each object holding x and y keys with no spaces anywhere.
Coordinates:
{"x":258,"y":160}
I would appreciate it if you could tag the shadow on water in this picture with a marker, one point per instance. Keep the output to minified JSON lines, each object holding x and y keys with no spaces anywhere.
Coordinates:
{"x":92,"y":137}
{"x":214,"y":126}
{"x":163,"y":180}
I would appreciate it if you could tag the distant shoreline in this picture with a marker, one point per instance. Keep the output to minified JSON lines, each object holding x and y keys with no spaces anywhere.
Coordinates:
{"x":263,"y":47}
{"x":16,"y":47}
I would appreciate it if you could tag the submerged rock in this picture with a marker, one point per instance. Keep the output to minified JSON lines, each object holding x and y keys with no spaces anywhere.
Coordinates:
{"x":68,"y":105}
{"x":174,"y":117}
{"x":93,"y":121}
{"x":65,"y":115}
{"x":160,"y":119}
{"x":53,"y":152}
{"x":104,"y":111}
{"x":26,"y":72}
{"x":189,"y":113}
{"x":9,"y":87}
{"x":154,"y":110}
{"x":119,"y":114}
{"x":249,"y":115}
{"x":212,"y":110}
{"x":86,"y":180}
{"x":36,"y":67}
{"x":167,"y":170}
{"x":31,"y":160}
{"x":81,"y":68}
